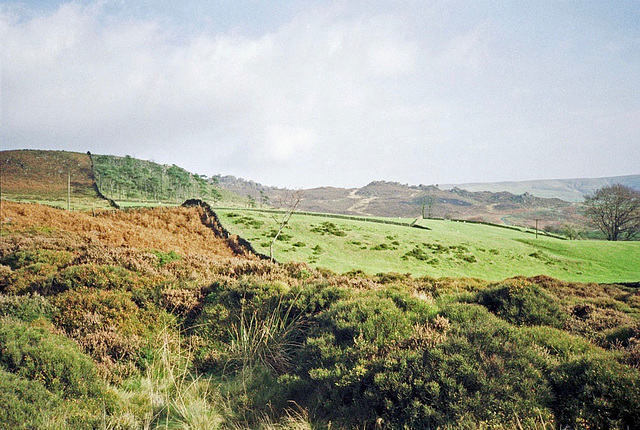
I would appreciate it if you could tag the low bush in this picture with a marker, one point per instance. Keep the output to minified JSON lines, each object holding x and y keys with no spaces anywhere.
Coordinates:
{"x":109,"y":326}
{"x":329,"y":228}
{"x":166,"y":257}
{"x":596,"y":393}
{"x":522,"y":303}
{"x":27,"y":257}
{"x":105,"y":277}
{"x":392,"y":363}
{"x":25,"y":403}
{"x":36,"y":354}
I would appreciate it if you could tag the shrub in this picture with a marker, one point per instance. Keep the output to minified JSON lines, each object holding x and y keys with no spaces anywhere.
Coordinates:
{"x":26,"y":308}
{"x":522,"y":303}
{"x":373,"y":362}
{"x":36,"y":354}
{"x":27,"y":257}
{"x":166,"y":257}
{"x":24,"y":402}
{"x":105,"y":277}
{"x":417,"y":253}
{"x":596,"y":393}
{"x":109,"y":326}
{"x":329,"y":228}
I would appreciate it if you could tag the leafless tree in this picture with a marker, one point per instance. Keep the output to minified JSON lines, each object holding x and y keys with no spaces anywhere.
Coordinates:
{"x":427,"y":206}
{"x":289,"y":202}
{"x":615,"y":210}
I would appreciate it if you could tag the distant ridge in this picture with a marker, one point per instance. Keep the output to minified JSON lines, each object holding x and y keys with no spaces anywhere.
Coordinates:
{"x":571,"y":190}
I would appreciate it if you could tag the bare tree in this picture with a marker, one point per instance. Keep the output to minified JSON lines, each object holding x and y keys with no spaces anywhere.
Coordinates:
{"x":427,"y":205}
{"x":289,"y":202}
{"x":615,"y":210}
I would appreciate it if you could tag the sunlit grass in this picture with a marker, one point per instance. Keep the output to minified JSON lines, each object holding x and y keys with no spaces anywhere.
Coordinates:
{"x":452,"y":249}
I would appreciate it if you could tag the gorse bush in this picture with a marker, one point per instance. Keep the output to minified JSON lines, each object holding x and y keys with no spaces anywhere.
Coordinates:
{"x":522,"y":303}
{"x":37,"y":354}
{"x":25,"y":403}
{"x":27,"y":257}
{"x":596,"y":393}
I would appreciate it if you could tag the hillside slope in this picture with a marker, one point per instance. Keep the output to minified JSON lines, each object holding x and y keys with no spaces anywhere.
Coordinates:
{"x":392,"y":199}
{"x":182,"y":230}
{"x":150,"y":319}
{"x":441,"y":248}
{"x":43,"y":176}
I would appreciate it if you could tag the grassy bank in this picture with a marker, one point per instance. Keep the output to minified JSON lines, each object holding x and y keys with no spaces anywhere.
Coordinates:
{"x":447,"y":248}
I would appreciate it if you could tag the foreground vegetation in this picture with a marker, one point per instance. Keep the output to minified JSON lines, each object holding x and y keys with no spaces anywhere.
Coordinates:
{"x":154,"y":319}
{"x":444,"y":248}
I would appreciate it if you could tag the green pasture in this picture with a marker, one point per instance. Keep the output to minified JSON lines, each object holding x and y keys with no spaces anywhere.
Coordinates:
{"x":446,"y":249}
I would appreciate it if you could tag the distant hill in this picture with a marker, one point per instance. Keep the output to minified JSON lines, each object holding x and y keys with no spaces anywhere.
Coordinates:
{"x":43,"y":177}
{"x":571,"y":190}
{"x":392,"y":199}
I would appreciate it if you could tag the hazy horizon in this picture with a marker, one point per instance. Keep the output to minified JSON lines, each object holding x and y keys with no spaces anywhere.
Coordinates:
{"x":309,"y":94}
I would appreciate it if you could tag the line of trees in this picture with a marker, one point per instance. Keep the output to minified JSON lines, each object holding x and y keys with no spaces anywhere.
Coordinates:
{"x":127,"y":178}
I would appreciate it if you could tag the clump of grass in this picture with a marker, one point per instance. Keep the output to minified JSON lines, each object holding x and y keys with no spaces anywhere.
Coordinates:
{"x":266,"y":339}
{"x":417,"y":253}
{"x":166,"y":257}
{"x":384,"y":247}
{"x":169,"y":394}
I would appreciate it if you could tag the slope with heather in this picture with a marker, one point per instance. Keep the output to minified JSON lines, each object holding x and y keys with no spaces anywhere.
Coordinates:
{"x":48,"y":177}
{"x":151,"y":318}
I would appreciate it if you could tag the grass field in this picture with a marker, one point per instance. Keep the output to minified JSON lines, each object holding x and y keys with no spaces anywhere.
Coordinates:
{"x":447,"y":249}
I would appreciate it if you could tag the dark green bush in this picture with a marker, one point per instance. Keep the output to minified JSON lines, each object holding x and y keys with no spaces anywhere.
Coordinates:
{"x":596,"y":393}
{"x":417,"y":253}
{"x":37,"y":354}
{"x":26,"y":257}
{"x":522,"y":303}
{"x":373,"y":360}
{"x":97,"y":276}
{"x":24,"y":402}
{"x":329,"y":228}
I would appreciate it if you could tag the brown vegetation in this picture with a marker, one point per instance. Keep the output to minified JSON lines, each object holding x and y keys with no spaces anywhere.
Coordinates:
{"x":167,"y":229}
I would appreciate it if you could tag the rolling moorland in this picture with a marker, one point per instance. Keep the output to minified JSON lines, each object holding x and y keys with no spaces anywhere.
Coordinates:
{"x":163,"y":318}
{"x":392,"y":199}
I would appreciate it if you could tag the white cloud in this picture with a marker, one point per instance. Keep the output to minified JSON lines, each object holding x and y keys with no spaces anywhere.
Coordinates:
{"x":338,"y":94}
{"x":286,"y":143}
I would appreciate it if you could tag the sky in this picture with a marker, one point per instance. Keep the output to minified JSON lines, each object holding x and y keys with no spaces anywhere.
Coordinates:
{"x":301,"y":94}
